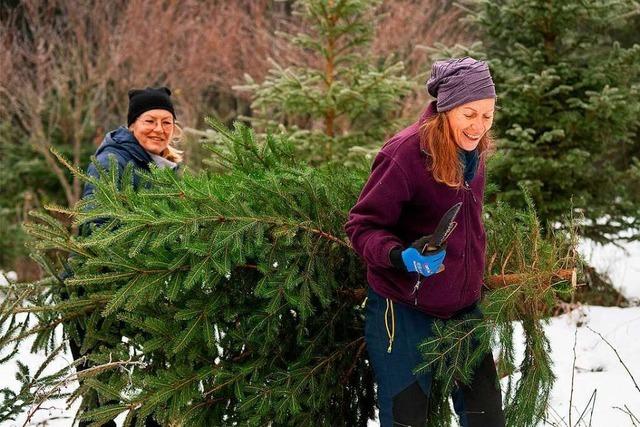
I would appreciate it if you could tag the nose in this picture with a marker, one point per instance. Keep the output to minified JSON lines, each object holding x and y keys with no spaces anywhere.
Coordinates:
{"x":158,"y":127}
{"x":478,"y":125}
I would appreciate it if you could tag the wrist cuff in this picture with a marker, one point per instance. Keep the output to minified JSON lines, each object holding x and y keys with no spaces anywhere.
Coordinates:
{"x":395,"y":257}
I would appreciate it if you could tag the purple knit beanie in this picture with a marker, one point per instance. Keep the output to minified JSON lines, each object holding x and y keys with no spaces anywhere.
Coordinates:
{"x":454,"y":82}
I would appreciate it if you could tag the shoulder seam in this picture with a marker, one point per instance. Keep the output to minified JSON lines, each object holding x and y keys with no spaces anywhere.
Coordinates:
{"x":404,"y":173}
{"x":107,"y":153}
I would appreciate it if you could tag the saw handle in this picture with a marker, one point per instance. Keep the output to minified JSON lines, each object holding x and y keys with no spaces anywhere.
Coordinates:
{"x":430,"y":250}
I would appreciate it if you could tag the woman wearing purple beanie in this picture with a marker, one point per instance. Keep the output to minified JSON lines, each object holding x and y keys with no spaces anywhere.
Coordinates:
{"x":416,"y":177}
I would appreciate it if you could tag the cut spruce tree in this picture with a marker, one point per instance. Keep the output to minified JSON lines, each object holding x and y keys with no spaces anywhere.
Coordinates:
{"x":235,"y":298}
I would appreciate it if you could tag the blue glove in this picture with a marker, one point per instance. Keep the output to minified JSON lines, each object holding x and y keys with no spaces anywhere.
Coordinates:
{"x":412,"y":260}
{"x":426,"y":265}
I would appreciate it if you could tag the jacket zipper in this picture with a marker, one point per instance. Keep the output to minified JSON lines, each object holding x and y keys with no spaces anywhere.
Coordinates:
{"x":468,"y":187}
{"x":466,"y":243}
{"x":416,"y":287}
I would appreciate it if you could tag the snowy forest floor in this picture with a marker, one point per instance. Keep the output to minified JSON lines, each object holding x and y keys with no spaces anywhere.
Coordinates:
{"x":603,"y":390}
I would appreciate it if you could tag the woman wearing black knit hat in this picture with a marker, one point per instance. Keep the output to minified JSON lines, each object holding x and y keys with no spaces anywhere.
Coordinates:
{"x":148,"y":138}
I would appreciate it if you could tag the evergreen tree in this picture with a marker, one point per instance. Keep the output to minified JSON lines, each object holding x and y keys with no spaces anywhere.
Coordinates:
{"x":238,"y":293}
{"x":344,"y":97}
{"x":27,"y":182}
{"x":253,"y":322}
{"x":568,"y":93}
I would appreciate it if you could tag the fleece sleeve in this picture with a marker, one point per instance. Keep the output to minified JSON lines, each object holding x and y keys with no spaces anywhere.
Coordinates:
{"x":377,"y":212}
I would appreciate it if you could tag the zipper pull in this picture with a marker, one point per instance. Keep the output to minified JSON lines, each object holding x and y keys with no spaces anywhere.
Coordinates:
{"x":415,"y":291}
{"x":468,"y":187}
{"x":416,"y":286}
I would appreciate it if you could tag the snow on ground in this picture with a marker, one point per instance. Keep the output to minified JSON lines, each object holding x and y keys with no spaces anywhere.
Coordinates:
{"x":53,"y":412}
{"x":597,"y":368}
{"x":621,"y":263}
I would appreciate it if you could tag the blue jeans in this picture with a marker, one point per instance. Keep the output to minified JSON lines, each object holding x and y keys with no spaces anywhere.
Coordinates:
{"x":402,"y":395}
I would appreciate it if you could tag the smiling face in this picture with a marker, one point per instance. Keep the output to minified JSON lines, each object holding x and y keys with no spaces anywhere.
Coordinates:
{"x":153,"y":130}
{"x":470,"y":122}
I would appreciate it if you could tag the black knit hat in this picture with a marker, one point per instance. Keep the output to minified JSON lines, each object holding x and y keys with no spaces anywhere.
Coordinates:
{"x":141,"y":100}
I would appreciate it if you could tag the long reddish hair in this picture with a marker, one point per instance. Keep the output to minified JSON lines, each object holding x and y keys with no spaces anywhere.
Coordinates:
{"x":437,"y":139}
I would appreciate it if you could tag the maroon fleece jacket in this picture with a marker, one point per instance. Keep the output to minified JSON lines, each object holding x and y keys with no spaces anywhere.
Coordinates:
{"x":402,"y":202}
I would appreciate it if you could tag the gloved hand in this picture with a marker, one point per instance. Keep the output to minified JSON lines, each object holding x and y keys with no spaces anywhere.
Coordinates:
{"x":413,"y":259}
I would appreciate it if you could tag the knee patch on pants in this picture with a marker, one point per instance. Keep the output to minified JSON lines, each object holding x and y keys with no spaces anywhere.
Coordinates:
{"x":410,"y":407}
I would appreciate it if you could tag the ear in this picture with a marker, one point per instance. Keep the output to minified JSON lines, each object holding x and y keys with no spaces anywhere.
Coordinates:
{"x":134,"y":92}
{"x":165,"y":89}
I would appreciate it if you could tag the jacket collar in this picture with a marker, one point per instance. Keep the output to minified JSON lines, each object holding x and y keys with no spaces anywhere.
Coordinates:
{"x":122,"y":139}
{"x":161,"y":162}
